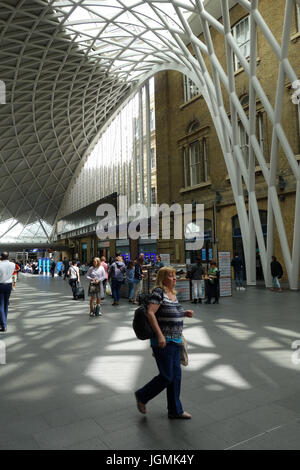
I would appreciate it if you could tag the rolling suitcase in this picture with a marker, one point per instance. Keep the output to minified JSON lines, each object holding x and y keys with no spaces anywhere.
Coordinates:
{"x":79,"y":293}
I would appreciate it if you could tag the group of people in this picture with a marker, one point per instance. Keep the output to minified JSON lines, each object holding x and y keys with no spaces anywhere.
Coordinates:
{"x":197,"y":274}
{"x":108,"y":278}
{"x":238,"y":266}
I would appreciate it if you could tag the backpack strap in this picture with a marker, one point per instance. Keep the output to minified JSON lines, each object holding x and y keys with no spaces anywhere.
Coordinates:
{"x":160,"y":291}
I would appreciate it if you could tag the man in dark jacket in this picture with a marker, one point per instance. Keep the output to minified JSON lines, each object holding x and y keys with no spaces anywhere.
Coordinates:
{"x":66,"y":264}
{"x":238,"y":265}
{"x":277,"y":272}
{"x":196,"y":274}
{"x":52,"y":268}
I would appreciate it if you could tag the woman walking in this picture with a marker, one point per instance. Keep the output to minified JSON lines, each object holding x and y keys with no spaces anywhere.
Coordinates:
{"x":74,"y":277}
{"x":96,"y":276}
{"x":165,"y":316}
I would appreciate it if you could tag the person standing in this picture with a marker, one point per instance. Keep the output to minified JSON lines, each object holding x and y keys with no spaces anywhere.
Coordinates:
{"x":66,"y":264}
{"x":74,"y":277}
{"x":96,"y":276}
{"x":129,"y":280}
{"x":158,"y":263}
{"x":213,"y":283}
{"x":165,"y":316}
{"x":238,"y":267}
{"x":15,"y":275}
{"x":116,"y":274}
{"x":52,"y":267}
{"x":6,"y":271}
{"x":105,"y":266}
{"x":138,"y":277}
{"x":196,"y":275}
{"x":277,"y":272}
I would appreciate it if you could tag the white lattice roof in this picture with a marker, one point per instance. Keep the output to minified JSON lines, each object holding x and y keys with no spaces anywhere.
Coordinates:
{"x":68,"y":64}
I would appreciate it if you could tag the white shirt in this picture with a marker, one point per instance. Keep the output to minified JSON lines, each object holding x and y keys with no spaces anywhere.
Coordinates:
{"x":96,"y":273}
{"x":6,"y":271}
{"x":74,"y":272}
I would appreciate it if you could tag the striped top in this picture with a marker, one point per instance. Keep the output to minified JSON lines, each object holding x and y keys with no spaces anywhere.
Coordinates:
{"x":169,"y":316}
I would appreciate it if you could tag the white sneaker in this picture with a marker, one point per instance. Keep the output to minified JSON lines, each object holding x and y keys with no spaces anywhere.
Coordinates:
{"x":237,"y":288}
{"x":242,"y":288}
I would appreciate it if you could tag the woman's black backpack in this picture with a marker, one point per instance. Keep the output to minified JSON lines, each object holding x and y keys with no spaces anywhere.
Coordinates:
{"x":140,"y":324}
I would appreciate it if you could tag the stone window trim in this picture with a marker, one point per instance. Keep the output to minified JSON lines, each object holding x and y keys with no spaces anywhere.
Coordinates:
{"x":202,"y":185}
{"x":192,"y":100}
{"x":295,"y":37}
{"x":259,"y":108}
{"x":190,"y":137}
{"x":241,"y":69}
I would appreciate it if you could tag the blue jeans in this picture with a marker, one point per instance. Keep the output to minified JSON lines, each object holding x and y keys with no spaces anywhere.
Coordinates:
{"x":276,"y":282}
{"x":168,"y":363}
{"x":116,"y":289}
{"x":5,"y":291}
{"x":238,"y":276}
{"x":130,"y":289}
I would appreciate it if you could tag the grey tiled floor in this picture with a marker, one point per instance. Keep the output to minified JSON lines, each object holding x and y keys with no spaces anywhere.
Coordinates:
{"x":69,"y":379}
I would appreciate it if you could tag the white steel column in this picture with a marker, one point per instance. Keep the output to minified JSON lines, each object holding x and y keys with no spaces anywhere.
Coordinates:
{"x":148,"y":144}
{"x":141,"y":146}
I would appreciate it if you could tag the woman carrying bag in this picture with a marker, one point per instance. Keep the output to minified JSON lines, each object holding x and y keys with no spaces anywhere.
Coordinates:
{"x":165,"y":316}
{"x":96,"y":276}
{"x":74,"y":278}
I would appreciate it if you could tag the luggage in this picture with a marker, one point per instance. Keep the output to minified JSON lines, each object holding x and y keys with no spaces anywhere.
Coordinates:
{"x":79,"y":293}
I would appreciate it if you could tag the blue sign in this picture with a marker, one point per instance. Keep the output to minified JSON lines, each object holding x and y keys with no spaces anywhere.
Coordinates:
{"x":210,"y":254}
{"x":203,"y":254}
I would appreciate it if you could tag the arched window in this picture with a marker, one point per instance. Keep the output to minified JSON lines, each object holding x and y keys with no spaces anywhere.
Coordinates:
{"x":193,"y":126}
{"x":244,"y":99}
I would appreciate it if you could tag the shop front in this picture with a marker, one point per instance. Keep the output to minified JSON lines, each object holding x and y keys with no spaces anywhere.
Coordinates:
{"x":103,"y":249}
{"x":206,"y":252}
{"x":84,"y":249}
{"x":149,"y":249}
{"x":123,"y":247}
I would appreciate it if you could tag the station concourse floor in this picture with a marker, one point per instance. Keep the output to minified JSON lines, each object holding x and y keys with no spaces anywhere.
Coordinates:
{"x":69,"y":379}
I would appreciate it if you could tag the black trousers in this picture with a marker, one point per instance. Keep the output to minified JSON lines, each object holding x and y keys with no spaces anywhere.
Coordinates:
{"x":212,"y":291}
{"x":73,"y":284}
